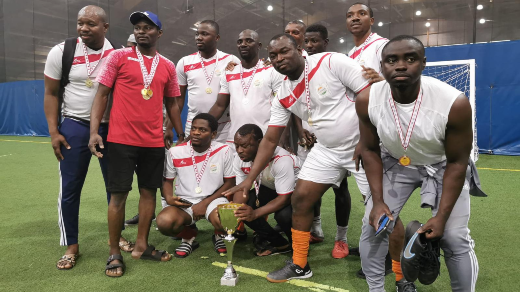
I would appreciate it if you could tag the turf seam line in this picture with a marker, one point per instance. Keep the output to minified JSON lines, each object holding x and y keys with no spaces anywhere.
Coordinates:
{"x":300,"y":283}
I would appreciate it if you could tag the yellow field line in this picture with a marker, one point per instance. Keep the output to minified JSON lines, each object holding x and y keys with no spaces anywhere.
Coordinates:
{"x":499,"y":169}
{"x":300,"y":283}
{"x":21,"y":141}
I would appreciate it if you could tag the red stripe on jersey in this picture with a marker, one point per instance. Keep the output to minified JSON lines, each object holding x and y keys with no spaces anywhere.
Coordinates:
{"x":198,"y":65}
{"x":194,"y":54}
{"x":362,"y":89}
{"x":182,"y":162}
{"x":246,"y":170}
{"x":289,"y":100}
{"x":285,"y":194}
{"x":91,"y":58}
{"x":236,"y":76}
{"x":356,"y":53}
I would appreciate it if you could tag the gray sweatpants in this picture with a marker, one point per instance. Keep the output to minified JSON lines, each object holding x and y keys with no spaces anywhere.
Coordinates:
{"x":398,"y":184}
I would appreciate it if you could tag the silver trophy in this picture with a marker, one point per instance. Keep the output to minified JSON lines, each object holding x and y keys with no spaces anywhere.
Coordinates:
{"x":230,"y":224}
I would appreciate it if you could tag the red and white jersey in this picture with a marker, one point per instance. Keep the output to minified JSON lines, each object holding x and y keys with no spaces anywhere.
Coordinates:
{"x":280,"y":174}
{"x":179,"y":164}
{"x":191,"y":74}
{"x":134,"y":120}
{"x":77,"y":97}
{"x":368,"y":54}
{"x":331,"y":77}
{"x":427,"y":138}
{"x":255,"y":107}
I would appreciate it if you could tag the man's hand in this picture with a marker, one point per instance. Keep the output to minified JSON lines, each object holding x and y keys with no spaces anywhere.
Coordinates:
{"x":95,"y":139}
{"x":243,"y":187}
{"x":434,"y":228}
{"x":175,"y":201}
{"x":168,"y":139}
{"x":378,"y":210}
{"x":230,"y":66}
{"x":371,"y":75}
{"x":56,"y":141}
{"x":199,"y":210}
{"x":357,"y":156}
{"x":245,"y":213}
{"x":181,"y":139}
{"x":309,"y":139}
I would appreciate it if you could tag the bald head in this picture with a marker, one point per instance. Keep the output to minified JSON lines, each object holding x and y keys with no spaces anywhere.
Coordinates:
{"x":249,"y":45}
{"x":93,"y":11}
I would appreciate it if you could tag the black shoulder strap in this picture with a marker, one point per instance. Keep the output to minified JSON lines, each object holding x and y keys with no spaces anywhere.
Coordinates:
{"x":66,"y":61}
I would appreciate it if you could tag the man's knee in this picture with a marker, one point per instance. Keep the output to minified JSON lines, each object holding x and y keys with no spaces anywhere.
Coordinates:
{"x":166,"y":223}
{"x":118,"y":200}
{"x":456,"y":241}
{"x":284,"y":217}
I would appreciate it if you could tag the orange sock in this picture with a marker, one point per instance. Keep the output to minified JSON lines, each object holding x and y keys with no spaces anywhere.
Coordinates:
{"x":396,"y":268}
{"x":300,"y":244}
{"x":241,"y":227}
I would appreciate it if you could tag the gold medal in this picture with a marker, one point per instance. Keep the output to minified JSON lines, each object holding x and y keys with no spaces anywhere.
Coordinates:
{"x":198,"y":190}
{"x":89,"y":82}
{"x":309,"y":121}
{"x":146,"y":97}
{"x":405,"y":160}
{"x":149,"y":92}
{"x":144,"y":91}
{"x":208,"y":90}
{"x":257,"y":203}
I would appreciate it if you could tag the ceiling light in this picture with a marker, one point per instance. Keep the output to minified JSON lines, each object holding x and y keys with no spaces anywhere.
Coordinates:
{"x":482,"y":20}
{"x":480,"y":7}
{"x":270,"y":8}
{"x":380,"y":24}
{"x":427,"y":24}
{"x":418,"y":12}
{"x":341,"y":40}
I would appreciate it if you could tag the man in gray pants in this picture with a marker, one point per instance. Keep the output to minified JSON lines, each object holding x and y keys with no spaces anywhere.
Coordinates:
{"x":425,"y":130}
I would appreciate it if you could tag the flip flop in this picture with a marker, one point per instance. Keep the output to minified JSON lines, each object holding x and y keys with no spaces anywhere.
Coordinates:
{"x":148,"y":254}
{"x":115,"y":266}
{"x":69,"y":258}
{"x":186,"y":249}
{"x":218,"y":244}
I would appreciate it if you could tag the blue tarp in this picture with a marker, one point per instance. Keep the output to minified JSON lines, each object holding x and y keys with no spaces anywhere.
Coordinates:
{"x":497,"y":97}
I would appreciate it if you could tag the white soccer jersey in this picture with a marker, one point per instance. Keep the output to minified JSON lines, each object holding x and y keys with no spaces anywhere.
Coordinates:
{"x":77,"y":97}
{"x":369,"y":53}
{"x":180,"y":165}
{"x":279,"y":175}
{"x":428,"y":134}
{"x":255,"y":108}
{"x":191,"y":74}
{"x":331,"y":76}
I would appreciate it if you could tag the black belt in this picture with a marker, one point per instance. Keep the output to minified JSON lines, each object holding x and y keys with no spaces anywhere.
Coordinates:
{"x":80,"y":120}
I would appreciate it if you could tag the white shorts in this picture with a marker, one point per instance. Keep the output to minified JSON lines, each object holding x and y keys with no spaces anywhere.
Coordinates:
{"x":303,"y":153}
{"x":328,"y":166}
{"x":222,"y":131}
{"x":211,"y":207}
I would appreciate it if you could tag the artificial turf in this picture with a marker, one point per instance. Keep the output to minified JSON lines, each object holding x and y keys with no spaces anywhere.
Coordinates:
{"x":29,"y":235}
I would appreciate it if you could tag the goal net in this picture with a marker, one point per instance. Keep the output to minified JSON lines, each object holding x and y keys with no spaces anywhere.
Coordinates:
{"x":461,"y":75}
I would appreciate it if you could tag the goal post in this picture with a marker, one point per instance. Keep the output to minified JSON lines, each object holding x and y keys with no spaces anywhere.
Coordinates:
{"x":461,"y":75}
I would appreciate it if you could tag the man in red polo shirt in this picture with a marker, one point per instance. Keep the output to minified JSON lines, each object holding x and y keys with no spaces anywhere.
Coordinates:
{"x":141,"y":79}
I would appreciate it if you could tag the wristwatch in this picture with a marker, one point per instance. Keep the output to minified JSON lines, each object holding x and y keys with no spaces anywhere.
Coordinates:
{"x":181,"y":134}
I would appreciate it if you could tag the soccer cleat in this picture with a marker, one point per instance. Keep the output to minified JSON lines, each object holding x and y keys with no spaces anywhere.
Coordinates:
{"x":420,"y":257}
{"x":135,"y":220}
{"x":240,"y":235}
{"x":340,"y":250}
{"x":405,"y":286}
{"x":290,"y":271}
{"x":315,"y":239}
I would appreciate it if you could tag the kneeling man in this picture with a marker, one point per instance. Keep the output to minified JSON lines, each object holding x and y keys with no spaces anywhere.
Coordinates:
{"x":271,"y":194}
{"x":203,"y":169}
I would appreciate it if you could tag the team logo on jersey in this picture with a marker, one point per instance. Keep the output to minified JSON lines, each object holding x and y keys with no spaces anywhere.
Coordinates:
{"x":213,"y":168}
{"x":246,"y":170}
{"x":217,"y":72}
{"x":133,"y":59}
{"x":258,"y":82}
{"x":191,"y":67}
{"x":76,"y":61}
{"x":322,"y":89}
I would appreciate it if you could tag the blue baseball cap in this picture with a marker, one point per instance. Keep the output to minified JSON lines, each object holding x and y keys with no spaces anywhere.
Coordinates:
{"x":135,"y":17}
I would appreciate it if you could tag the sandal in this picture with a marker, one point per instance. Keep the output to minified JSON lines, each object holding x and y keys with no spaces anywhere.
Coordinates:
{"x":273,"y":250}
{"x":218,"y":244}
{"x":115,"y":266}
{"x":68,"y":258}
{"x":185,"y":249}
{"x":149,"y":255}
{"x":125,"y":245}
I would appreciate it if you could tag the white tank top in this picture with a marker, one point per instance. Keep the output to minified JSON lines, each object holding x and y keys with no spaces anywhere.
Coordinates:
{"x":426,"y":144}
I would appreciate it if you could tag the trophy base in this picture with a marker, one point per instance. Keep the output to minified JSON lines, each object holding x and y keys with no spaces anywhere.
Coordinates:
{"x":228,"y":281}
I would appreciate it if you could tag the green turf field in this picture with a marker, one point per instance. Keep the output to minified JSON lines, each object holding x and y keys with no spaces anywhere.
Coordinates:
{"x":29,"y":236}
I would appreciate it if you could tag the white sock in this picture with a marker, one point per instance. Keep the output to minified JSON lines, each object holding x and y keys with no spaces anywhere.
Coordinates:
{"x":190,"y":241}
{"x":163,"y":202}
{"x":316,"y":226}
{"x":341,"y":233}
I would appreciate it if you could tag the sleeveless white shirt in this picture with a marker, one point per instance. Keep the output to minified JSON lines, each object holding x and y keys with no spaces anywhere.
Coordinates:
{"x":426,"y":145}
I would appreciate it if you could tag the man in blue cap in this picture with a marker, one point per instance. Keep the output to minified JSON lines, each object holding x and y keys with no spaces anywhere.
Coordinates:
{"x":141,"y":81}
